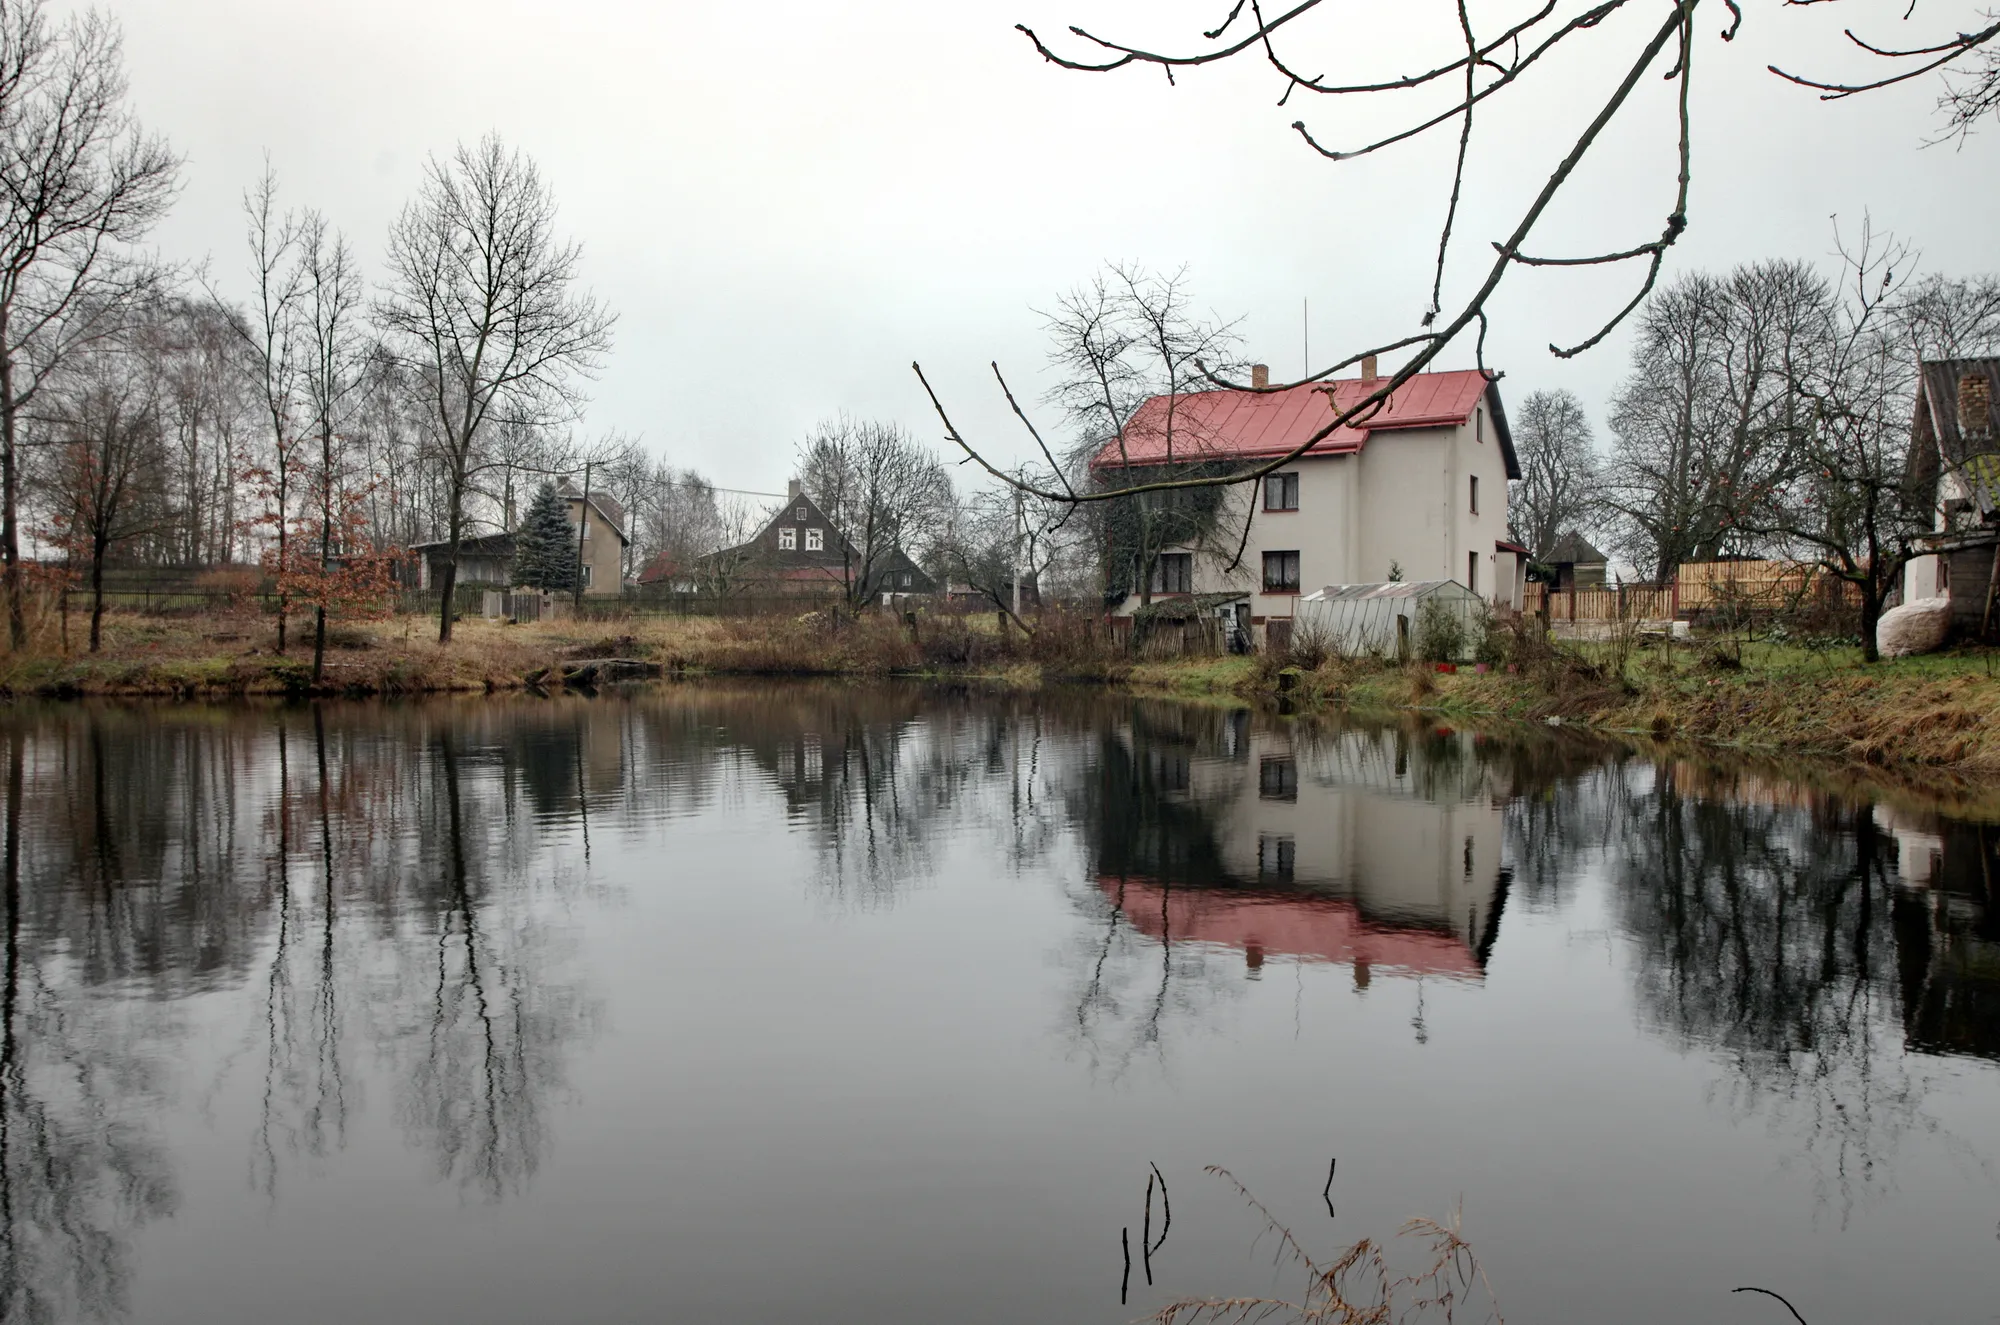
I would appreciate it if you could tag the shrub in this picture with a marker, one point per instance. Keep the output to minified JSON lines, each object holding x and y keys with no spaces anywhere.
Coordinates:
{"x":1440,"y":632}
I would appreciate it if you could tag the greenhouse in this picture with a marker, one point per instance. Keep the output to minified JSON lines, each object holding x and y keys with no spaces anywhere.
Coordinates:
{"x":1440,"y":619}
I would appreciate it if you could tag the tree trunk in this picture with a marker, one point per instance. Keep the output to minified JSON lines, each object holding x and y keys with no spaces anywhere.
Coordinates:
{"x":10,"y":491}
{"x":284,"y":599}
{"x":96,"y":593}
{"x":446,"y":591}
{"x":325,"y":546}
{"x":455,"y":520}
{"x":1871,"y":613}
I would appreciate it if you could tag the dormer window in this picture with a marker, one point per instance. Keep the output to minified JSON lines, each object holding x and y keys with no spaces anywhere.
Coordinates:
{"x":788,"y":539}
{"x":815,"y":540}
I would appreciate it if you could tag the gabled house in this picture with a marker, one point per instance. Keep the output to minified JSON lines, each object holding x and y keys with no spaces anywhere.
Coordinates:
{"x":1417,"y":491}
{"x":1954,"y":464}
{"x":488,"y":559}
{"x":798,"y":551}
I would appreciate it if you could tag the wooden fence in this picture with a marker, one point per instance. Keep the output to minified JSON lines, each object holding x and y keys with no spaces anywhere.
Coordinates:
{"x":1701,"y":589}
{"x":1631,"y":602}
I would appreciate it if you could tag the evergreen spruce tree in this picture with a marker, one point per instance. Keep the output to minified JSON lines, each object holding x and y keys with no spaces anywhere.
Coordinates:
{"x":545,"y":547}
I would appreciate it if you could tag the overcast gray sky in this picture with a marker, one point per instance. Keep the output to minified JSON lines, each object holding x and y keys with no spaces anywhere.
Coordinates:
{"x":788,"y":201}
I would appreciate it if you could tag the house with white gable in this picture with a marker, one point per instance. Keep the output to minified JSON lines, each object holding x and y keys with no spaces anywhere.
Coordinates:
{"x":1415,"y":491}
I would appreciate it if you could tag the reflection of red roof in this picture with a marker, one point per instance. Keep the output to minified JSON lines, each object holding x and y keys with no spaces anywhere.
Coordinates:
{"x":1268,"y":924}
{"x":1262,"y":424}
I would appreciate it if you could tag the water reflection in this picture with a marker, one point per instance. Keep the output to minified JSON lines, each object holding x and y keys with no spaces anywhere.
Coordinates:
{"x":386,"y":901}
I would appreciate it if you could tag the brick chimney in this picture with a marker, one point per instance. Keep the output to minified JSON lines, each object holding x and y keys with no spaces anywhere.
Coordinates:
{"x":1260,"y":375}
{"x":1975,"y":405}
{"x":1368,"y":368}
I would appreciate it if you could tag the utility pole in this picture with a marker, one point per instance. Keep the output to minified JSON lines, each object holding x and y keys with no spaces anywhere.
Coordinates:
{"x":1018,"y":525}
{"x":582,"y":530}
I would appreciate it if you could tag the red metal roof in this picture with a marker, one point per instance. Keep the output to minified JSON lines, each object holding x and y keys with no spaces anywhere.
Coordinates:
{"x":1257,"y":425}
{"x":1272,"y":924}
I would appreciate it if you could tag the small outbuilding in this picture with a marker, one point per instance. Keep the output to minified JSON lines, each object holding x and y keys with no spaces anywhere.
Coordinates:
{"x":1396,"y":619}
{"x":1576,"y":563}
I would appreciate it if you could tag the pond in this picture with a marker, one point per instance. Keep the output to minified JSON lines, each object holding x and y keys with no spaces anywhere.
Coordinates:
{"x":884,"y":1004}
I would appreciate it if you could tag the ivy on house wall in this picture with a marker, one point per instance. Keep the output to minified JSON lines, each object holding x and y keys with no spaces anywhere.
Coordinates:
{"x":1139,"y":527}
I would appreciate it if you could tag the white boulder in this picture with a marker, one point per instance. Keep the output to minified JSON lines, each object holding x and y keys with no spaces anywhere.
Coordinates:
{"x":1915,"y":627}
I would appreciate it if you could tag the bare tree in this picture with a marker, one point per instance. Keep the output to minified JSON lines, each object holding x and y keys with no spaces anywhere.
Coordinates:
{"x":1707,"y":427}
{"x":882,"y":490}
{"x":278,"y":341}
{"x":1857,"y":507}
{"x":104,"y":465}
{"x":79,"y":182}
{"x":1004,"y":543}
{"x":332,"y":374}
{"x":482,"y":301}
{"x":1476,"y":65}
{"x":389,"y":423}
{"x":1557,"y":491}
{"x":1950,"y":317}
{"x":1127,"y":337}
{"x":204,"y":407}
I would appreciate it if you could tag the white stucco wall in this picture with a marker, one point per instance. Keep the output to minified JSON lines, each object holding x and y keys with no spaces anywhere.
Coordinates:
{"x":1405,"y":499}
{"x":1363,"y":830}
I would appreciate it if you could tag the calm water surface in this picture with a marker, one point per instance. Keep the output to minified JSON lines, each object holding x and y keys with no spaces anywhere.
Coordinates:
{"x":875,"y":1005}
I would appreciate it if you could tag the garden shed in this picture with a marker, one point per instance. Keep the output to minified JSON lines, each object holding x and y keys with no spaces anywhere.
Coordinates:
{"x":1396,"y":619}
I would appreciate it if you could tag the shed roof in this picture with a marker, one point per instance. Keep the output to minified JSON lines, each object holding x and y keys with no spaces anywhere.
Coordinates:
{"x":1390,"y":589}
{"x":483,"y":545}
{"x":1261,"y":425}
{"x":1573,"y":549}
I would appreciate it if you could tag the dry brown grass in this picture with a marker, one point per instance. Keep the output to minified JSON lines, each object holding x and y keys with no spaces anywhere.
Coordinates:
{"x":1357,"y":1286}
{"x":233,"y":652}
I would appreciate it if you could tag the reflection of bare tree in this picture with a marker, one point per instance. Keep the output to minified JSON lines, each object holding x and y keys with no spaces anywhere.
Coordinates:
{"x":304,"y":1104}
{"x":1562,"y":811}
{"x":878,"y":777}
{"x":1140,"y":825}
{"x":77,"y":1174}
{"x":1763,"y":931}
{"x":487,"y":1052}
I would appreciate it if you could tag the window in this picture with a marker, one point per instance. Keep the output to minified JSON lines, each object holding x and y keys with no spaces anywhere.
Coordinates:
{"x":1278,"y":779}
{"x":1479,"y":425}
{"x":1276,"y":857}
{"x":1472,"y":571}
{"x":1174,"y":573}
{"x":815,"y":540}
{"x":906,"y":579}
{"x":788,"y":539}
{"x":799,"y":513}
{"x":1281,"y":572}
{"x":586,"y":575}
{"x":1475,"y":494}
{"x":1281,"y":492}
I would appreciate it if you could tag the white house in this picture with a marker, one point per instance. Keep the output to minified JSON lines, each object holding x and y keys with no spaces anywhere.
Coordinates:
{"x":1417,"y":491}
{"x":1955,"y":456}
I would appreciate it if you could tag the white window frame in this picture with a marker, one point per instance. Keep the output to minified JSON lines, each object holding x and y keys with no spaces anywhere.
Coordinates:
{"x":788,"y":539}
{"x":815,"y":540}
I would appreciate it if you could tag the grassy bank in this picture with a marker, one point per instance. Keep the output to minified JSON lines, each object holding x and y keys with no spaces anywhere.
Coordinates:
{"x":235,"y":654}
{"x":1935,"y":718}
{"x":1937,"y":715}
